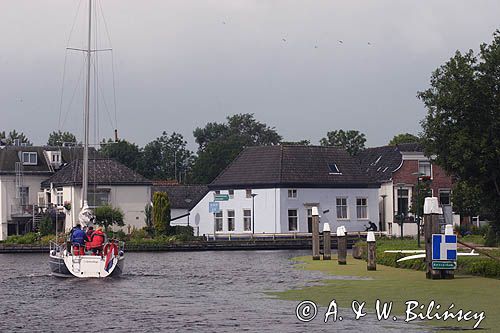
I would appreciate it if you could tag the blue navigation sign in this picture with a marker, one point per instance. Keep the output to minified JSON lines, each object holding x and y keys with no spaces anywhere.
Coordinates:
{"x":444,"y":247}
{"x":213,"y":207}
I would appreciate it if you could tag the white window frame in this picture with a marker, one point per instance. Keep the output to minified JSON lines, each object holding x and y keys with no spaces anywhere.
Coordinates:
{"x":430,"y":167}
{"x":444,"y":190}
{"x":248,"y":194}
{"x":59,"y":197}
{"x":29,"y":158}
{"x":365,"y":206}
{"x":231,"y":220}
{"x":346,"y":208}
{"x":247,"y":220}
{"x":296,"y":217}
{"x":218,"y":220}
{"x":292,"y":193}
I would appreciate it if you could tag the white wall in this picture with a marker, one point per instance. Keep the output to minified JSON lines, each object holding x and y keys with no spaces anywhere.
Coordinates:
{"x":265,"y":212}
{"x":175,"y":212}
{"x":271,"y":209}
{"x":8,"y":196}
{"x":130,"y":199}
{"x":326,"y":198}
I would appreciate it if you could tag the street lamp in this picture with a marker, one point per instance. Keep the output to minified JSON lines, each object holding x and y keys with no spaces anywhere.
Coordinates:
{"x":253,"y":212}
{"x":401,"y":213}
{"x":417,"y":204}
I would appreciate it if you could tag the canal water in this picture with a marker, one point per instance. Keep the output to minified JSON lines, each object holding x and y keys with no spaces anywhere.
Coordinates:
{"x":167,"y":292}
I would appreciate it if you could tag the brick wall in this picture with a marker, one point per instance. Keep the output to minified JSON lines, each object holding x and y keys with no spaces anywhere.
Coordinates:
{"x":440,"y":180}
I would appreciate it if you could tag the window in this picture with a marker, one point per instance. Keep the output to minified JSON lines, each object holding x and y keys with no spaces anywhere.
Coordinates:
{"x":230,"y":220}
{"x":59,"y":197}
{"x":248,"y":194}
{"x":247,"y":220}
{"x":98,"y":198}
{"x":309,"y":219}
{"x":30,"y":158}
{"x":292,"y":220}
{"x":445,"y":197}
{"x":342,"y":208}
{"x":217,"y":192}
{"x":334,"y":170}
{"x":218,"y":221}
{"x":292,"y":193}
{"x":361,"y":208}
{"x":231,"y":194}
{"x":56,"y":158}
{"x":402,"y":197}
{"x":24,"y":194}
{"x":424,"y":168}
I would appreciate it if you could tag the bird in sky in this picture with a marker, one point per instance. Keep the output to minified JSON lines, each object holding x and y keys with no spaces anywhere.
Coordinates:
{"x":315,"y":46}
{"x":283,"y":39}
{"x":341,"y":41}
{"x":369,"y":43}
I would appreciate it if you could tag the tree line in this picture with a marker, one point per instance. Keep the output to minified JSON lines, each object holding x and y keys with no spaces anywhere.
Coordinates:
{"x":167,"y":156}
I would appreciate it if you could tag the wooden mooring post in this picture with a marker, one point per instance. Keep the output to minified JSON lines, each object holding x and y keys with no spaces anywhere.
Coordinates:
{"x":342,"y":246}
{"x":371,"y":263}
{"x":431,"y":226}
{"x":315,"y":234}
{"x":327,"y":242}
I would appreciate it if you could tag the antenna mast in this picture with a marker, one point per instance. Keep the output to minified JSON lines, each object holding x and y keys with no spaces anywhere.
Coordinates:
{"x":86,"y":116}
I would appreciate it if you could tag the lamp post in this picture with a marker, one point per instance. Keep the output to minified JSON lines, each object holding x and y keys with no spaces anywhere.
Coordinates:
{"x":417,"y":204}
{"x":253,"y":213}
{"x":400,"y":208}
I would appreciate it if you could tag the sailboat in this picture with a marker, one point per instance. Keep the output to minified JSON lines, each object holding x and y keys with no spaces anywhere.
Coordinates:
{"x":66,"y":260}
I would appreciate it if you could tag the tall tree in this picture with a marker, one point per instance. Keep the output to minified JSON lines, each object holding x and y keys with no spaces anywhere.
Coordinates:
{"x":161,"y":213}
{"x":166,"y":157}
{"x":462,"y":126}
{"x":13,"y":135}
{"x":107,"y":216}
{"x":58,"y":138}
{"x":404,"y":138}
{"x":219,"y":143}
{"x":124,"y":152}
{"x":353,"y":141}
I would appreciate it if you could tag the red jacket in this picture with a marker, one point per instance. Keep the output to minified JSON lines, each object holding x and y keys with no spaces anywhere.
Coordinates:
{"x":97,"y":239}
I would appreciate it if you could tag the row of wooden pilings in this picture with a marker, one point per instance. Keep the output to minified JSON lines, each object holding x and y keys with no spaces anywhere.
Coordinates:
{"x":341,"y":243}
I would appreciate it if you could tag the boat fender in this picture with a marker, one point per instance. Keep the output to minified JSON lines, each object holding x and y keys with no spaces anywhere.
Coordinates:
{"x":53,"y":252}
{"x":121,"y":253}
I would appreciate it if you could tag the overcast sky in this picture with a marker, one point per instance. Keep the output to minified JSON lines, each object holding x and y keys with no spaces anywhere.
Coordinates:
{"x":182,"y":63}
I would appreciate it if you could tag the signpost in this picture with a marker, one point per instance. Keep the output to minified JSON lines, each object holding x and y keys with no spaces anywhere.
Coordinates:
{"x":221,"y":197}
{"x":213,"y":207}
{"x":444,"y":253}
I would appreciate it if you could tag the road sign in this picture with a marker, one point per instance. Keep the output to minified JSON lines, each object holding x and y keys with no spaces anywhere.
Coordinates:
{"x":444,"y":247}
{"x":221,"y":197}
{"x":213,"y":207}
{"x":444,"y":264}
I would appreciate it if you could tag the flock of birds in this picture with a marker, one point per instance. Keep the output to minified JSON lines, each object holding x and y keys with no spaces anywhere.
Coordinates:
{"x":315,"y":46}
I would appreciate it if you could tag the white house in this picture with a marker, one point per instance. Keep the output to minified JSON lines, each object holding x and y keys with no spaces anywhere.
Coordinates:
{"x":272,"y":189}
{"x":110,"y":182}
{"x":22,"y":169}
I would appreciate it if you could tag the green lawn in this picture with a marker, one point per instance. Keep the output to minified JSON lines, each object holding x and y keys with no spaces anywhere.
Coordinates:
{"x":400,"y":285}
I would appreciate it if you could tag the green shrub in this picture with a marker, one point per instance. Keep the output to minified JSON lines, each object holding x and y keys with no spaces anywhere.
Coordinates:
{"x":120,"y":235}
{"x":47,"y":226}
{"x":29,"y":238}
{"x":139,"y":233}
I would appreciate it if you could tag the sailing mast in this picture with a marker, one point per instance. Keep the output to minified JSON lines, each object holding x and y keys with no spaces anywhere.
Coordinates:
{"x":86,"y":116}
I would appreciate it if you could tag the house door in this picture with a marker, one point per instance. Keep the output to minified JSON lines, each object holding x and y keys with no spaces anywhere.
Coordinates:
{"x":309,"y":220}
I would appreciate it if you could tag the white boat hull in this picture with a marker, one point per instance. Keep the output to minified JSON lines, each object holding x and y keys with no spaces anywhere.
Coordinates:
{"x":86,"y":266}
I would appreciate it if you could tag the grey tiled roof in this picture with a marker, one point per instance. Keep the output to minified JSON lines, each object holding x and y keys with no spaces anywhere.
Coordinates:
{"x":292,"y":166}
{"x":182,"y":196}
{"x":9,"y":155}
{"x":380,"y":162}
{"x":102,"y":171}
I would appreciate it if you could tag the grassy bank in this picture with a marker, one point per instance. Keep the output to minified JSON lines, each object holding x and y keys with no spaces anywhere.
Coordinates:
{"x":399,"y":285}
{"x":480,"y":266}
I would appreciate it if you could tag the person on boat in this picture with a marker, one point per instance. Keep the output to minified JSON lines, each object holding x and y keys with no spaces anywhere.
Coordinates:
{"x":97,"y":241}
{"x":78,"y":238}
{"x":90,"y":231}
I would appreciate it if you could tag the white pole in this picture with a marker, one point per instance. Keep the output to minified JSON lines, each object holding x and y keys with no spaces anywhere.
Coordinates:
{"x":86,"y":116}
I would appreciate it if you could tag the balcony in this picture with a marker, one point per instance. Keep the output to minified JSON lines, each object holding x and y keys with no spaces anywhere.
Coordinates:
{"x":21,"y":211}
